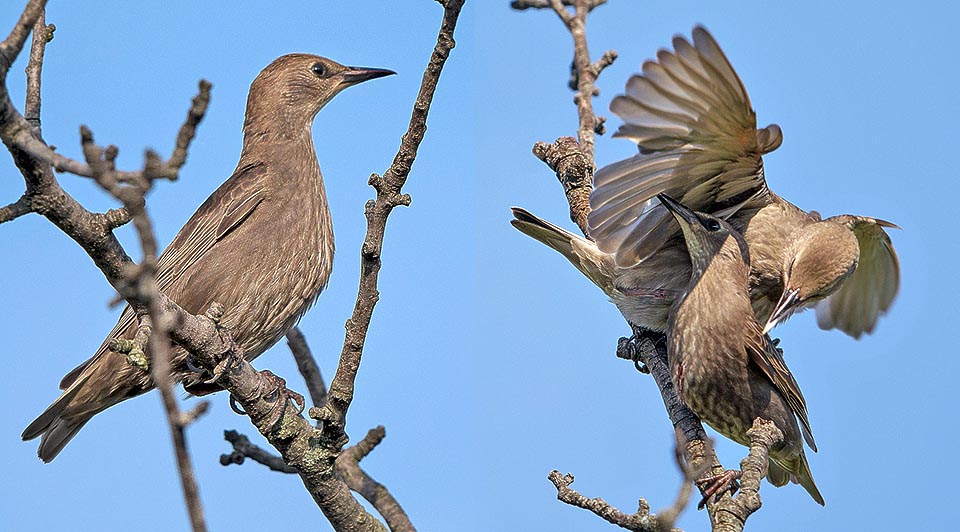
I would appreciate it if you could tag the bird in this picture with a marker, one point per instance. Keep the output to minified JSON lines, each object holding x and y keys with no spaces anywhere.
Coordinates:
{"x":722,"y":364}
{"x":698,"y":141}
{"x":261,"y":246}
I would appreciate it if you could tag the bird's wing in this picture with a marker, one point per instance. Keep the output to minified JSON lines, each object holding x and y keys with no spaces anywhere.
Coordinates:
{"x":769,"y":358}
{"x":220,"y":214}
{"x":691,"y":117}
{"x":871,"y":288}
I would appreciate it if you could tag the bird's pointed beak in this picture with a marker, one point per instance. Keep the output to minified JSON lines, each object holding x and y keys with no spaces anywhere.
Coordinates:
{"x":683,"y":215}
{"x":788,"y":304}
{"x":354,"y":75}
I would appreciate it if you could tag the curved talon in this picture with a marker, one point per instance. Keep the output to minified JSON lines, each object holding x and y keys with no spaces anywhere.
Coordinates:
{"x":640,"y":366}
{"x":298,"y":400}
{"x":193,"y":367}
{"x":717,"y":485}
{"x":235,"y":406}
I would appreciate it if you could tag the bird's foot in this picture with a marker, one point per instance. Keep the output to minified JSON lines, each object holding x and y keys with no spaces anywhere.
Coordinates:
{"x":717,"y":485}
{"x":280,"y":396}
{"x":638,"y":347}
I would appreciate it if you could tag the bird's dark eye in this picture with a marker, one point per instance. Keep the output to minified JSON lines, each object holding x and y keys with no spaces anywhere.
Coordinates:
{"x":318,"y":69}
{"x":711,"y":224}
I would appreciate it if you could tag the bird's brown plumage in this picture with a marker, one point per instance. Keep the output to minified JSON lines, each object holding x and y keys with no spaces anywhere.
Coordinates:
{"x":697,"y":133}
{"x":724,"y":367}
{"x":261,"y":245}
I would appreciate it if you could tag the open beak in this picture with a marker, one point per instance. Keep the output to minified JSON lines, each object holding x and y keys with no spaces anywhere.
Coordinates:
{"x":683,"y":215}
{"x":788,"y":304}
{"x":354,"y":75}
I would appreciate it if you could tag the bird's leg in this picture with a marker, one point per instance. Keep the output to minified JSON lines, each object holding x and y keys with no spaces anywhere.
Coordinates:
{"x":717,"y":485}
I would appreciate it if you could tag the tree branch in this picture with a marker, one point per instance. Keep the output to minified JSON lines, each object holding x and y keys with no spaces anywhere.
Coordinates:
{"x":348,"y":466}
{"x":307,"y":365}
{"x":388,"y":188}
{"x":731,"y":513}
{"x":573,"y":162}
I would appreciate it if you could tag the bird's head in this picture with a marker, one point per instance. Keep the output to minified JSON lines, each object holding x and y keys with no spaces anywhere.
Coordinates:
{"x":707,"y":236}
{"x":294,"y":87}
{"x":820,"y":258}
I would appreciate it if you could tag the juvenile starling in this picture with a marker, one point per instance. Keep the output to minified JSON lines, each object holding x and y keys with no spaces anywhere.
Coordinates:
{"x":723,"y":365}
{"x":261,"y":245}
{"x":697,"y":133}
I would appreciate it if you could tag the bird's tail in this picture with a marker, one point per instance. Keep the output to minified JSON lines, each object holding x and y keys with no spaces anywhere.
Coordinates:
{"x":582,"y":253}
{"x":797,"y":470}
{"x":54,"y":427}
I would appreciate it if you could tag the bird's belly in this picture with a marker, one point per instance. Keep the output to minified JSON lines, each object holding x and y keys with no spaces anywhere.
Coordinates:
{"x":720,"y":402}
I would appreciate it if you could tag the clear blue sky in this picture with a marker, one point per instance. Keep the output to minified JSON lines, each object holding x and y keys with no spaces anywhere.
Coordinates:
{"x":490,"y":359}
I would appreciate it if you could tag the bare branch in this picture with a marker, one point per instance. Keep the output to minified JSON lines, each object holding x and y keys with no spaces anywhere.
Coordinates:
{"x":16,"y":209}
{"x":731,"y":513}
{"x":348,"y":466}
{"x":389,"y":195}
{"x":641,"y":521}
{"x":42,"y":34}
{"x":11,"y":46}
{"x":243,"y":449}
{"x":146,"y":291}
{"x":573,"y":162}
{"x":307,"y":365}
{"x":521,"y":5}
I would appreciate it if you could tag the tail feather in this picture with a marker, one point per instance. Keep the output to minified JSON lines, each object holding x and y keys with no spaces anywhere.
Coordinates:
{"x":54,"y":429}
{"x":582,"y":253}
{"x":796,"y":470}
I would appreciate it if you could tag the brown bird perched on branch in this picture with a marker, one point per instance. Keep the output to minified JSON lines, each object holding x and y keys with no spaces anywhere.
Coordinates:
{"x":724,"y":367}
{"x":261,"y":245}
{"x":691,"y":117}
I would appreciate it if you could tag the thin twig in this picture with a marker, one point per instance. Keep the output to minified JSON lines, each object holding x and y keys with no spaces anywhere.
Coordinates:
{"x":389,"y":195}
{"x":11,"y":46}
{"x":573,"y":162}
{"x":148,"y":293}
{"x":243,"y":449}
{"x":307,"y":365}
{"x":520,"y":5}
{"x":42,"y":34}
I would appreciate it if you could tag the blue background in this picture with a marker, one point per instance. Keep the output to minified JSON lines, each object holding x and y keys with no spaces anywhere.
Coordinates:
{"x":490,"y":359}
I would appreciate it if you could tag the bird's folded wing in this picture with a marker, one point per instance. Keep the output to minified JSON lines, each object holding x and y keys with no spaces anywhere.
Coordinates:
{"x":769,"y":359}
{"x":220,"y":214}
{"x":871,"y":288}
{"x":691,"y":117}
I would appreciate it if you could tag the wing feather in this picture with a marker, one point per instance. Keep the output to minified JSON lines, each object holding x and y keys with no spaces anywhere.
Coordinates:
{"x":769,"y":359}
{"x":691,"y":118}
{"x":220,"y":214}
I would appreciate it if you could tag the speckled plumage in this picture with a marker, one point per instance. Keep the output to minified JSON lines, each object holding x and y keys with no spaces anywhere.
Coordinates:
{"x":261,"y":245}
{"x":724,"y":367}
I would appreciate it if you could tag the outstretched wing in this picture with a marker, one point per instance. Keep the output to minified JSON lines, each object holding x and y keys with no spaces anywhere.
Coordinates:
{"x":871,"y":288}
{"x":220,"y":214}
{"x":769,"y":359}
{"x":691,"y":117}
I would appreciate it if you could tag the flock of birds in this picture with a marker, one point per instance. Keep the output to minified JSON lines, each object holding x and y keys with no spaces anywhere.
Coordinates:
{"x":685,"y":238}
{"x":688,"y":241}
